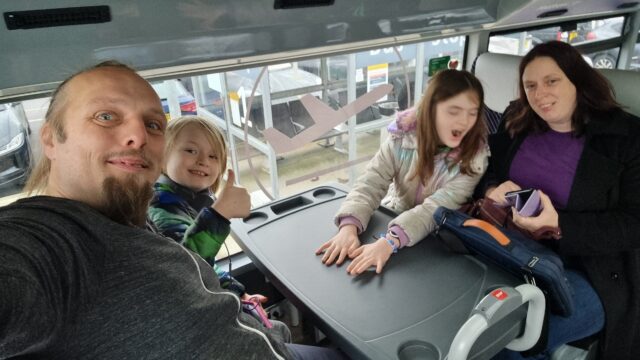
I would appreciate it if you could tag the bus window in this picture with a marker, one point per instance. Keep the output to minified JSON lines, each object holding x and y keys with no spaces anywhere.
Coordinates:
{"x":603,"y":30}
{"x":334,"y":156}
{"x":584,"y":33}
{"x":635,"y":59}
{"x":186,"y":104}
{"x":15,"y":149}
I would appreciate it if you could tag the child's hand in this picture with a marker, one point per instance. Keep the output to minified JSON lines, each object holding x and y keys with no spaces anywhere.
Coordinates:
{"x":497,"y":194}
{"x":258,"y":297}
{"x":375,"y":254}
{"x":340,"y":246}
{"x":548,"y":216}
{"x":233,"y":201}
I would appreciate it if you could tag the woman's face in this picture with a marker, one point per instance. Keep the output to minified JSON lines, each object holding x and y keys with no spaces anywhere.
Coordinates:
{"x":550,"y":93}
{"x":455,"y":117}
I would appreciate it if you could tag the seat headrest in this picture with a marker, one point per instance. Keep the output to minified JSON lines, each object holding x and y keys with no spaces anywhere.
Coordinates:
{"x":626,"y":85}
{"x":498,"y":74}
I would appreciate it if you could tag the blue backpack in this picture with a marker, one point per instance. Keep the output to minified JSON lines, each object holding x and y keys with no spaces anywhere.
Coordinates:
{"x":513,"y":252}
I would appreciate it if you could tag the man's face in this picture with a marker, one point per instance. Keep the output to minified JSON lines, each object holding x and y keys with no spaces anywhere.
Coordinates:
{"x":114,"y":127}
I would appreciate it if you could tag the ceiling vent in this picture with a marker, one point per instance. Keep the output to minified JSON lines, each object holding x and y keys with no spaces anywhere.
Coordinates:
{"x":33,"y":19}
{"x":292,"y":4}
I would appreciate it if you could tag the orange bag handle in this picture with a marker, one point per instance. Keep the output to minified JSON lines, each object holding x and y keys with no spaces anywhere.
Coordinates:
{"x":501,"y":238}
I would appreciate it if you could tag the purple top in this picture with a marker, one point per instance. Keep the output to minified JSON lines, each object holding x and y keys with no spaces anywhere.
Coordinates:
{"x":548,"y":162}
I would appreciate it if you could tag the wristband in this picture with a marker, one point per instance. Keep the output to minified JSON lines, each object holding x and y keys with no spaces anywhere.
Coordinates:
{"x":389,"y":241}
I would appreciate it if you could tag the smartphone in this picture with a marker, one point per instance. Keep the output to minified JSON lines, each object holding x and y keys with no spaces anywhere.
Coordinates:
{"x":526,"y":201}
{"x":518,"y":197}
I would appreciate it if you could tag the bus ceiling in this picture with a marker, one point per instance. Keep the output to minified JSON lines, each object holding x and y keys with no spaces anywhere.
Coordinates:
{"x":44,"y":41}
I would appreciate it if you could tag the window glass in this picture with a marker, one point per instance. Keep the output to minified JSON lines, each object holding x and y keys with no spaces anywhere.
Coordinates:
{"x":452,"y":47}
{"x":600,"y":29}
{"x":519,"y":43}
{"x":18,"y":121}
{"x":635,"y":59}
{"x":320,"y":148}
{"x":605,"y":59}
{"x":185,"y":102}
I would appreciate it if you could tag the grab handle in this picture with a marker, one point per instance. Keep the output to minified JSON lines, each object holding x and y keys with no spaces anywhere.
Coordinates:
{"x":494,"y":307}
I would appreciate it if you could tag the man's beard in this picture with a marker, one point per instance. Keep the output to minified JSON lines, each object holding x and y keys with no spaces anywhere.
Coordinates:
{"x":126,"y":201}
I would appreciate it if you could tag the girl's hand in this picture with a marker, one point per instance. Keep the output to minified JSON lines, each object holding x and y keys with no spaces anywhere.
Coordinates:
{"x":233,"y":201}
{"x":548,"y":216}
{"x":497,"y":194}
{"x":340,"y":246}
{"x":375,"y":254}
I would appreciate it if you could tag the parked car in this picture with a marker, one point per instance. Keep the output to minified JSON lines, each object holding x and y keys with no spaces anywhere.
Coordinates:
{"x":185,"y":98}
{"x":15,"y":154}
{"x":607,"y":59}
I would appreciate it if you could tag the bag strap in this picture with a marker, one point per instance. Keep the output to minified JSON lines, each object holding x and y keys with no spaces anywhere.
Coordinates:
{"x":496,"y":234}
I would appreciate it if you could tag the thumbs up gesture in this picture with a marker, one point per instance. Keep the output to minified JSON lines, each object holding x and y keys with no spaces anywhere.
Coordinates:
{"x":233,"y":201}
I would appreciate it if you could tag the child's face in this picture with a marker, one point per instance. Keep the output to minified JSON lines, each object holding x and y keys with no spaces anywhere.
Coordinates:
{"x":192,"y":161}
{"x":455,"y":117}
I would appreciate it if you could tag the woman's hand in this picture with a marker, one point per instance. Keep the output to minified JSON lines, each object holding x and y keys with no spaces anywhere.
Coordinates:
{"x":340,"y":246}
{"x":497,"y":194}
{"x":375,"y":254}
{"x":547,"y":217}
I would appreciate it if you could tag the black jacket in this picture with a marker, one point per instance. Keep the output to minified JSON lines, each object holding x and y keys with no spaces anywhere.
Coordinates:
{"x":601,"y":223}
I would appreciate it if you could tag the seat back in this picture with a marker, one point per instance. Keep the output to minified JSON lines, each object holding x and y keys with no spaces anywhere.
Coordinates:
{"x":626,"y":84}
{"x":498,"y":74}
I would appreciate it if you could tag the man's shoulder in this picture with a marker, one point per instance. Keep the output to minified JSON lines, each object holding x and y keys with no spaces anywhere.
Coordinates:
{"x":42,"y":206}
{"x":38,"y":214}
{"x":39,"y":229}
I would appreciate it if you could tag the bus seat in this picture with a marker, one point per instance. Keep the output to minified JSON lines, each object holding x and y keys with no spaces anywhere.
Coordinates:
{"x":498,"y":74}
{"x":626,"y":84}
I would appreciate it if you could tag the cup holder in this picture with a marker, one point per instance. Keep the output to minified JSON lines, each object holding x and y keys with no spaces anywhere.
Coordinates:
{"x":418,"y":350}
{"x":324,"y":194}
{"x":255,"y":218}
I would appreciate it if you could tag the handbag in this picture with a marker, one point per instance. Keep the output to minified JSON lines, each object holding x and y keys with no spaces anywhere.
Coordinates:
{"x":495,"y":214}
{"x":513,"y":252}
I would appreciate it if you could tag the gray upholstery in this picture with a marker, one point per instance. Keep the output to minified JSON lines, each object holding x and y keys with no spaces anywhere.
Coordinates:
{"x":499,"y":76}
{"x":626,"y":85}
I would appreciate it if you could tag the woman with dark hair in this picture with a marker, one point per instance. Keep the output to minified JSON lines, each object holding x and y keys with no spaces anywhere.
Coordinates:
{"x":568,"y":137}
